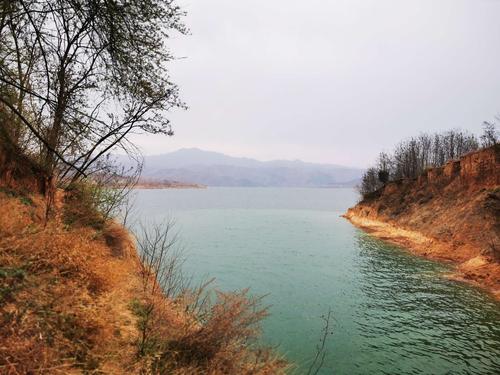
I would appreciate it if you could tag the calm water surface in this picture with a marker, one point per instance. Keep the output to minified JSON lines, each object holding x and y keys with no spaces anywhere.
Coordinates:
{"x":393,"y":313}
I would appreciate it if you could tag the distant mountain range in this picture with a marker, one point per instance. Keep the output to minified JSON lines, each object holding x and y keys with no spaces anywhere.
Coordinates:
{"x":215,"y":169}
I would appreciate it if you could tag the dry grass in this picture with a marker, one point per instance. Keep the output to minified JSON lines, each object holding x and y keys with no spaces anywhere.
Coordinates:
{"x":73,"y":300}
{"x":223,"y":342}
{"x":119,"y":240}
{"x":52,"y":281}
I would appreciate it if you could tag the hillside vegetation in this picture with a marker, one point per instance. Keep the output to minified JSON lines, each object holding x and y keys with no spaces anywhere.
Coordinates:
{"x":414,"y":156}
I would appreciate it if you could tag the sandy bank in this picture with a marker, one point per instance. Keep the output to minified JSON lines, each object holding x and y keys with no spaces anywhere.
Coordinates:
{"x":478,"y":270}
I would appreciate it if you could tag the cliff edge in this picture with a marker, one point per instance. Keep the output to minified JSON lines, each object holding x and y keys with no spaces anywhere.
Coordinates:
{"x":449,"y":213}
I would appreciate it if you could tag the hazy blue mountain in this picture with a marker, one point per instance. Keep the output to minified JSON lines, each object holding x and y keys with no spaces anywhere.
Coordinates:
{"x":216,"y":169}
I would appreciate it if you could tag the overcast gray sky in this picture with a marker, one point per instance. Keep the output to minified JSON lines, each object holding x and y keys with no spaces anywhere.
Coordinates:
{"x":332,"y":81}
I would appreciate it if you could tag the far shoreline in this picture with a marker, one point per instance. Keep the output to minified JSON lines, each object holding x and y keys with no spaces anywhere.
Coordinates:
{"x":154,"y":186}
{"x":160,"y":186}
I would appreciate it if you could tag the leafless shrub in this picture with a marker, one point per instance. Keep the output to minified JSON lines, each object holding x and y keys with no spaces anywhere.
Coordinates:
{"x":321,"y":349}
{"x":215,"y":337}
{"x":490,"y":136}
{"x":161,"y":259}
{"x":112,"y":185}
{"x":128,"y":211}
{"x":196,"y":299}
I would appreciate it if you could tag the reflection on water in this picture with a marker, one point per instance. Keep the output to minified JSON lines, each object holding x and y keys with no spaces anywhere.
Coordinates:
{"x":434,"y":323}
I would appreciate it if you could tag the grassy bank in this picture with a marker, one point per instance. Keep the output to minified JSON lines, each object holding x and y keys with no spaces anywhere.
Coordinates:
{"x":74,"y":298}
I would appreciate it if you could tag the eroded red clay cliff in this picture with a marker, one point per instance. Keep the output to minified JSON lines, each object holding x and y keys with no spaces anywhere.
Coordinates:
{"x":449,"y":213}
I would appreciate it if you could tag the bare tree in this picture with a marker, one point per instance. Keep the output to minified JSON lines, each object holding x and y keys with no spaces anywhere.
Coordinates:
{"x":369,"y":182}
{"x":80,"y":76}
{"x":413,"y":156}
{"x":384,"y":166}
{"x":490,"y":135}
{"x":321,"y":349}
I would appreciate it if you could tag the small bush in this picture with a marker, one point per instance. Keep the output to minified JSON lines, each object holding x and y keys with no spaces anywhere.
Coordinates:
{"x":117,"y":239}
{"x":26,"y":201}
{"x":232,"y":324}
{"x":11,"y":280}
{"x":370,"y":183}
{"x":80,"y":207}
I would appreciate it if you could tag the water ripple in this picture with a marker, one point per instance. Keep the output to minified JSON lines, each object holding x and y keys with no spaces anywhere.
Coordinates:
{"x":413,"y":314}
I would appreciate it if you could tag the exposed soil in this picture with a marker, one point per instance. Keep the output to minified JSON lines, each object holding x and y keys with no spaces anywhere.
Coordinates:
{"x":451,"y":213}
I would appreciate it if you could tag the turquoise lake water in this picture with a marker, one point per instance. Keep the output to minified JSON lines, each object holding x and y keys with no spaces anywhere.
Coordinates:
{"x":393,"y":313}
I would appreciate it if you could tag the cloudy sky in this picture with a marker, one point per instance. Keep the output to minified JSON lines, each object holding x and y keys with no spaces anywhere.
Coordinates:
{"x":332,"y":81}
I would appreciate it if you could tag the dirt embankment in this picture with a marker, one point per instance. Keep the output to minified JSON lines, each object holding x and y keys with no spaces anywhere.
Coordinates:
{"x":64,"y":293}
{"x":450,"y":213}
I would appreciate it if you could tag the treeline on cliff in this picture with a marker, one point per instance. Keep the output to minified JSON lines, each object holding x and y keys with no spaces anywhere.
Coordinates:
{"x":411,"y":157}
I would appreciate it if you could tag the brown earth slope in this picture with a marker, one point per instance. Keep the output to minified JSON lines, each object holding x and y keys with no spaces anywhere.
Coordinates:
{"x":64,"y":294}
{"x":450,"y":213}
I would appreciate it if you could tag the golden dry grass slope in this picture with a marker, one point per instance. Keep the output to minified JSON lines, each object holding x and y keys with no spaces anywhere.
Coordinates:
{"x":64,"y":294}
{"x":73,"y":300}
